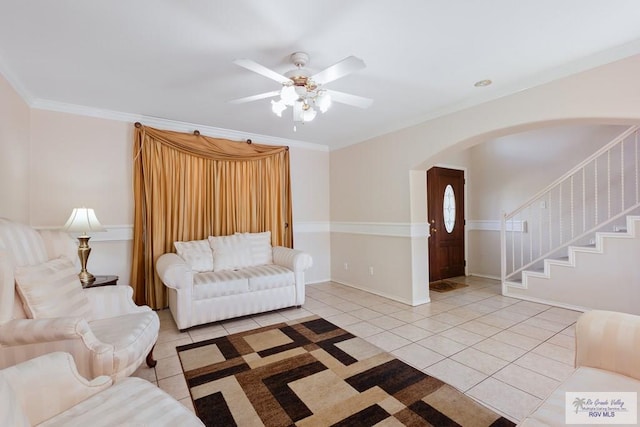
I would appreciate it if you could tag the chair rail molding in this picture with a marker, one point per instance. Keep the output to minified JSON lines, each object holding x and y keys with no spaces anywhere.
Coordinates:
{"x":391,"y":229}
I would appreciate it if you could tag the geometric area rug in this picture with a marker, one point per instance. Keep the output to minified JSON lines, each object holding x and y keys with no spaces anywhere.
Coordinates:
{"x":309,"y":372}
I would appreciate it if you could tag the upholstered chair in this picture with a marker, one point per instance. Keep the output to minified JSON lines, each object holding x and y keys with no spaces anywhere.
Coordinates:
{"x":43,"y":308}
{"x":49,"y":391}
{"x":607,"y":361}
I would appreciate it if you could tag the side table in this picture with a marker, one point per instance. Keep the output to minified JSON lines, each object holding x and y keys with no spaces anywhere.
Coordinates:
{"x":103,"y":281}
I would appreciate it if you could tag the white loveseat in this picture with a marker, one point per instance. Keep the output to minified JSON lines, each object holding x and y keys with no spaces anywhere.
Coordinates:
{"x":229,"y":276}
{"x":607,"y":360}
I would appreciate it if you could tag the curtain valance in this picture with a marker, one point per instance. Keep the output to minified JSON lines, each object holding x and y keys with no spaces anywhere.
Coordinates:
{"x":190,"y":186}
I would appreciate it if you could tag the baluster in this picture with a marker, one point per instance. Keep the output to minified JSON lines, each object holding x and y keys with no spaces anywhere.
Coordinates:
{"x":560,"y":215}
{"x":521,"y":243}
{"x":637,"y":172}
{"x":550,"y":222}
{"x":608,"y":184}
{"x":571,"y":205}
{"x":584,"y":201}
{"x":513,"y":249}
{"x":622,"y":175}
{"x":595,"y":190}
{"x":540,"y":233}
{"x":531,"y":212}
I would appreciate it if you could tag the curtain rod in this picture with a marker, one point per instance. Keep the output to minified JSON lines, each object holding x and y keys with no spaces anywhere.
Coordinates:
{"x":195,"y":132}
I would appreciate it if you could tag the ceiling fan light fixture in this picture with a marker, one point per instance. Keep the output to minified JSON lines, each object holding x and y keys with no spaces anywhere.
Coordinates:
{"x":289,"y":95}
{"x":308,"y":114}
{"x":278,"y":107}
{"x":304,"y":91}
{"x":323,"y":101}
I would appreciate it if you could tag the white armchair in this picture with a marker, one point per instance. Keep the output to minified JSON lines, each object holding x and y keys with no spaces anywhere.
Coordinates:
{"x":607,"y":348}
{"x":107,"y":335}
{"x":48,"y":391}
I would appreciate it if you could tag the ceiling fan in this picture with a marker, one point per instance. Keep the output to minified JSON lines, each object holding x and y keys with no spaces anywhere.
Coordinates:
{"x":303,"y":91}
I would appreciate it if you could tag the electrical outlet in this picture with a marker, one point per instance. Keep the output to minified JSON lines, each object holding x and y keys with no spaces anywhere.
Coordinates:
{"x":543,"y":205}
{"x":346,"y":266}
{"x":370,"y":271}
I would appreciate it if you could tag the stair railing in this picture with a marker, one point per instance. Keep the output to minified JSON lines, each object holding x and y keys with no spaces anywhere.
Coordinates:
{"x":597,"y":192}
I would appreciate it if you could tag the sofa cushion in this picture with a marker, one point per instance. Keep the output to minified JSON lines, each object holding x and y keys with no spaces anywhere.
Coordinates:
{"x":552,"y":411}
{"x":23,"y":243}
{"x":220,"y":283}
{"x":230,"y":252}
{"x":129,"y":402}
{"x":260,"y":247}
{"x":196,"y":253}
{"x":51,"y":289}
{"x":11,"y":412}
{"x":126,"y":333}
{"x":268,"y":276}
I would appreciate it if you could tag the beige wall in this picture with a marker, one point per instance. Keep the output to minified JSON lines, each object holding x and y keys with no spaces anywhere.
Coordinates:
{"x":506,"y":171}
{"x":371,"y":192}
{"x":80,"y":161}
{"x":14,"y":154}
{"x":310,"y":193}
{"x":52,"y":162}
{"x":370,"y":181}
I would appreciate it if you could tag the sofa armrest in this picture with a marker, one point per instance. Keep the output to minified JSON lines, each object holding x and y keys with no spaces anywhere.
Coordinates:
{"x":31,"y":331}
{"x":291,"y":258}
{"x":174,"y":271}
{"x":112,"y":301}
{"x":610,"y":341}
{"x":48,"y":385}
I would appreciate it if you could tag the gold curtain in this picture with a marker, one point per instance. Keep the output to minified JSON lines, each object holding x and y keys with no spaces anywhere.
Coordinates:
{"x":189,"y":187}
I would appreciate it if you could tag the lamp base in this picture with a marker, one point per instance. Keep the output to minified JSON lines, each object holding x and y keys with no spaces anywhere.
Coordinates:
{"x":84,"y":250}
{"x":86,"y":278}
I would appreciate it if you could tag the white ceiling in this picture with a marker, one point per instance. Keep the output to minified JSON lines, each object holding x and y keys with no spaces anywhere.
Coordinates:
{"x":173,"y":59}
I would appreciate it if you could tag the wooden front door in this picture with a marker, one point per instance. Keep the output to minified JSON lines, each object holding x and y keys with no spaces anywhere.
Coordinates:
{"x":445,"y":213}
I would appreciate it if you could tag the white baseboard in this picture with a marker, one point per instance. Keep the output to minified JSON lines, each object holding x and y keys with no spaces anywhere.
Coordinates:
{"x":384,"y":294}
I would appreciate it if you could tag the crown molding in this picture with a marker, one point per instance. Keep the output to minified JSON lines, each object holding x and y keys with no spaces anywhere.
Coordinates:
{"x":174,"y":125}
{"x":15,"y":83}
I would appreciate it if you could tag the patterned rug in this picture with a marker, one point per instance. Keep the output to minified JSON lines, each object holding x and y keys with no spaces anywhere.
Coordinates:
{"x":445,"y":286}
{"x":309,"y":372}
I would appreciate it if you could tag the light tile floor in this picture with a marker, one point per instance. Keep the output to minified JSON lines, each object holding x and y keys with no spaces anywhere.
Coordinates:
{"x":506,"y":353}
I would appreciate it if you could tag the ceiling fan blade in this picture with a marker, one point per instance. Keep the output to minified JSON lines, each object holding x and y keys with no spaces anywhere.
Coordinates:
{"x":339,"y":69}
{"x":255,"y":97}
{"x":349,"y":99}
{"x":261,"y":69}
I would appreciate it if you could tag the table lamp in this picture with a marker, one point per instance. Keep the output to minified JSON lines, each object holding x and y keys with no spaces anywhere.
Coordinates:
{"x":83,"y":220}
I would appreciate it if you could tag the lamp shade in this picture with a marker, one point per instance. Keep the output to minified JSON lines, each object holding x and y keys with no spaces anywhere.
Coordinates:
{"x":83,"y":220}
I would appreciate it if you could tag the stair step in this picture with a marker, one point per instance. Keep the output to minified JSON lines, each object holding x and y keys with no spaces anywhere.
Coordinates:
{"x":562,"y":258}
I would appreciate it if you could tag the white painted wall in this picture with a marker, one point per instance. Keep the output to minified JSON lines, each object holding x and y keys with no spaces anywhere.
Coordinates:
{"x":14,"y":154}
{"x":370,"y":180}
{"x":606,"y":281}
{"x":52,"y":162}
{"x":505,"y":172}
{"x":374,"y":192}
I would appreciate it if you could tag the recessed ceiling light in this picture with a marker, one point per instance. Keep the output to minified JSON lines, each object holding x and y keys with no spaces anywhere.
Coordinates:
{"x":481,"y":83}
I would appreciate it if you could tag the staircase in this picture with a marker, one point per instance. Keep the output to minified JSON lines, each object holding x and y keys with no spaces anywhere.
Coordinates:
{"x":576,"y":244}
